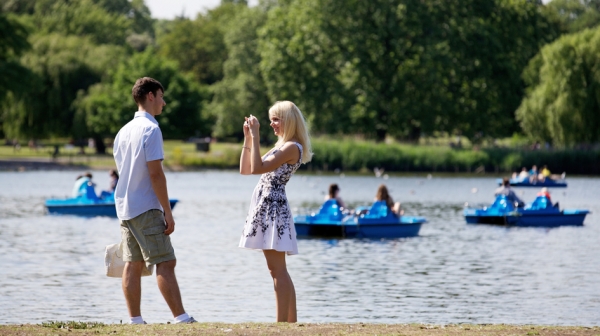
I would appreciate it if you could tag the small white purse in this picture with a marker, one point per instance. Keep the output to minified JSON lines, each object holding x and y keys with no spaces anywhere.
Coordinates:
{"x":113,"y":260}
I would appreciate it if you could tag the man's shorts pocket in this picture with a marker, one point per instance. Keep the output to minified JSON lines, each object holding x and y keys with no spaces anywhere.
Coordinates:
{"x":156,"y":241}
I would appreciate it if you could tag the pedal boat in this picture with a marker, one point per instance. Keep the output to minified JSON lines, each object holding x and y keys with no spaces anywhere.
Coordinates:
{"x":540,"y":213}
{"x":88,"y":205}
{"x":378,"y":222}
{"x":525,"y":182}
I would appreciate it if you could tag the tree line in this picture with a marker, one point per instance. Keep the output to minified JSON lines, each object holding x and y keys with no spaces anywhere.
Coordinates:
{"x":378,"y":68}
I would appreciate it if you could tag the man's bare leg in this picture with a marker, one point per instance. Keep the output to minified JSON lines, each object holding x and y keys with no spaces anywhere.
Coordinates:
{"x":167,"y":283}
{"x":132,"y":286}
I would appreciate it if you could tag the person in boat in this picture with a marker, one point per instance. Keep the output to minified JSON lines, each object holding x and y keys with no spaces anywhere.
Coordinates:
{"x":112,"y":185}
{"x":507,"y":191}
{"x":524,"y":174}
{"x":334,"y":193}
{"x":81,"y":184}
{"x":384,"y":195}
{"x":533,"y":174}
{"x":546,"y":193}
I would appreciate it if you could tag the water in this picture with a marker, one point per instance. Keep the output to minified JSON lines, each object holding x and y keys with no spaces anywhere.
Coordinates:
{"x":52,"y":267}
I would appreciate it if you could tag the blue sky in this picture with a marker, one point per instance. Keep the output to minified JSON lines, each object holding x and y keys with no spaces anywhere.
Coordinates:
{"x":169,"y":9}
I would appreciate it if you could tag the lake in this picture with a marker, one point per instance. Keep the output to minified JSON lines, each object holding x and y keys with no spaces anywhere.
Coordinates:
{"x":53,"y":266}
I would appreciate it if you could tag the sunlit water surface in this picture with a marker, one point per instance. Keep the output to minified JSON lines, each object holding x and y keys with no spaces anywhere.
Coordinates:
{"x":52,"y":267}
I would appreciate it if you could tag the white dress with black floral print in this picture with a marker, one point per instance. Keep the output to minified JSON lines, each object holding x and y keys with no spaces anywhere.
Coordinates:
{"x":269,"y":225}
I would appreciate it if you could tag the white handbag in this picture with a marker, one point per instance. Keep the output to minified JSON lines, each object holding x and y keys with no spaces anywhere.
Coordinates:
{"x":113,"y":260}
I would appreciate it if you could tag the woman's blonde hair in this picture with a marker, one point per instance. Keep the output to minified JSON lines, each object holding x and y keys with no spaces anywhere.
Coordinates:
{"x":294,"y":126}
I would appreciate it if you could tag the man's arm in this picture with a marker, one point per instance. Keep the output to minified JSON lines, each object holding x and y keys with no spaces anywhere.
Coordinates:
{"x":159,"y":185}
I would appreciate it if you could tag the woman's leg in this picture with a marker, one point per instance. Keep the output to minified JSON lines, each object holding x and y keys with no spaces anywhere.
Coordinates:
{"x":285,"y":294}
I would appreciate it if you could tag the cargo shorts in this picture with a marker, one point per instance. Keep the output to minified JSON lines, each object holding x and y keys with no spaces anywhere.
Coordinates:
{"x":143,"y":238}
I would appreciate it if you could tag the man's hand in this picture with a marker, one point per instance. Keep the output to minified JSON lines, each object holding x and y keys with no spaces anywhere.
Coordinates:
{"x":170,"y":223}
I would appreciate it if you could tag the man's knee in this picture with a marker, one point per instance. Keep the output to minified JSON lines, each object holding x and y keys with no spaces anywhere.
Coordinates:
{"x":166,"y":266}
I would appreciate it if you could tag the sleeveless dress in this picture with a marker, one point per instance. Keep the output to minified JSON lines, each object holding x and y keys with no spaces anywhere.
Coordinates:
{"x":269,"y":224}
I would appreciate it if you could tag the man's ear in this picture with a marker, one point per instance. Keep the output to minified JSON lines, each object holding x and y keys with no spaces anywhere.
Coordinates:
{"x":150,"y":96}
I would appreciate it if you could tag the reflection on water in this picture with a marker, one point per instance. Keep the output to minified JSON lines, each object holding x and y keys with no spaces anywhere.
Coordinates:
{"x":52,"y":266}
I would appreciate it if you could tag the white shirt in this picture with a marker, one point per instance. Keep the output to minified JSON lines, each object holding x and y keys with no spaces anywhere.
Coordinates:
{"x":137,"y":143}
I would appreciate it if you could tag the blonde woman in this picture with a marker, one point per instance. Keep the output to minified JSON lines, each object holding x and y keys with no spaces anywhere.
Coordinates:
{"x":269,"y":224}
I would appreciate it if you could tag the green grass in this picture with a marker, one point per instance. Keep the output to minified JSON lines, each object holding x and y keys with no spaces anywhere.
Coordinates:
{"x":350,"y":155}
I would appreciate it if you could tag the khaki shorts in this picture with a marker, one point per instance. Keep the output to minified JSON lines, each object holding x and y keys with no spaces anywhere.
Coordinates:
{"x":143,"y":238}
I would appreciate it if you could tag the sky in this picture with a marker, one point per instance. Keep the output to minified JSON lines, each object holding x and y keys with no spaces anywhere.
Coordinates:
{"x":169,"y":9}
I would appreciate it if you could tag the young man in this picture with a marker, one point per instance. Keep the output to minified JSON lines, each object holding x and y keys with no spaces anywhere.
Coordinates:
{"x":143,"y":205}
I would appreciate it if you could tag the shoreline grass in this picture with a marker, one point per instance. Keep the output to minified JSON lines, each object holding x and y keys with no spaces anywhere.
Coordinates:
{"x":207,"y":328}
{"x":349,"y":155}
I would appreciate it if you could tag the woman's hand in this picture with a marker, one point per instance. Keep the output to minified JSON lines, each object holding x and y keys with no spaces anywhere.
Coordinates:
{"x":246,"y":128}
{"x":254,"y":126}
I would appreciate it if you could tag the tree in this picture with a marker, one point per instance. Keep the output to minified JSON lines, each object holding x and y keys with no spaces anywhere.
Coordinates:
{"x":108,"y":105}
{"x":102,"y":21}
{"x":242,"y":90}
{"x":562,"y":104}
{"x":402,"y":67}
{"x":60,"y":67}
{"x":13,"y":42}
{"x":198,"y":45}
{"x":576,"y":15}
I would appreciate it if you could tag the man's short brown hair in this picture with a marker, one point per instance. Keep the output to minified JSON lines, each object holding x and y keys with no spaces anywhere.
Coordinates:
{"x":143,"y":86}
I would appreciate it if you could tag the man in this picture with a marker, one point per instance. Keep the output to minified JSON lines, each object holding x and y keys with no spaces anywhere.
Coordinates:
{"x":142,"y":203}
{"x":509,"y":193}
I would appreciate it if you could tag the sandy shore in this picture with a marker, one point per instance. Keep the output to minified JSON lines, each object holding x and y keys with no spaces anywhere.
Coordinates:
{"x":62,"y":328}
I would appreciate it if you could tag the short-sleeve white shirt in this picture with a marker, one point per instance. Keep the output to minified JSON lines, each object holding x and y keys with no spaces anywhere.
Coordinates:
{"x":137,"y":143}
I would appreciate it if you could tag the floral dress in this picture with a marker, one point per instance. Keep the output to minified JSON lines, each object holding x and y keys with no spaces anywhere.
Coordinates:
{"x":269,"y":224}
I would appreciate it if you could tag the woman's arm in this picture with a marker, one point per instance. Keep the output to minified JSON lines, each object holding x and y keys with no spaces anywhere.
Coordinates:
{"x":246,"y":151}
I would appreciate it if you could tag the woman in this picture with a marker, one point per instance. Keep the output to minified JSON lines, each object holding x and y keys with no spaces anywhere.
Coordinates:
{"x":383,"y":195}
{"x":269,"y":224}
{"x":334,"y":193}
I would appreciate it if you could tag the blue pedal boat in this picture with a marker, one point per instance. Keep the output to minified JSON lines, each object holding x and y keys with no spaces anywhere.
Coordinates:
{"x":87,"y":205}
{"x":525,"y":182}
{"x":540,"y":213}
{"x":378,"y":222}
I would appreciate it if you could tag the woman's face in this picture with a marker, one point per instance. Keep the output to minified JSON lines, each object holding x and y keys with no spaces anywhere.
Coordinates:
{"x":277,"y":125}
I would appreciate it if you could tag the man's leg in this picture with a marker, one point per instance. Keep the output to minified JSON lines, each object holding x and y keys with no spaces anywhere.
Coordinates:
{"x":167,"y":283}
{"x":132,"y":286}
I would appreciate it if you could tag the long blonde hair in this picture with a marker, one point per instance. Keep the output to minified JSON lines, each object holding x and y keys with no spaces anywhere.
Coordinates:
{"x":294,"y":126}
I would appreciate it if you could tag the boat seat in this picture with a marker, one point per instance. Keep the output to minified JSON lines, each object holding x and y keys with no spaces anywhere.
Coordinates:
{"x":540,"y":203}
{"x":90,"y":193}
{"x":379,"y":209}
{"x":330,"y":210}
{"x":502,"y":204}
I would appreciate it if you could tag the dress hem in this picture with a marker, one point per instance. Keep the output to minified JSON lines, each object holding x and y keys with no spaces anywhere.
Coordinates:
{"x":261,"y":249}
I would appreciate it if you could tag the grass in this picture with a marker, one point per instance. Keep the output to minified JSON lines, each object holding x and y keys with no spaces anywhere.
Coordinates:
{"x":87,"y":328}
{"x":348,"y":155}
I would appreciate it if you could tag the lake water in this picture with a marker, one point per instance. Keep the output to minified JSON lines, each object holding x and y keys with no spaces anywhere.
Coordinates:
{"x":52,"y":267}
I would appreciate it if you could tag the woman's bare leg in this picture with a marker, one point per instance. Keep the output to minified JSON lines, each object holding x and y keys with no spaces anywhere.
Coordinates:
{"x":285,"y":294}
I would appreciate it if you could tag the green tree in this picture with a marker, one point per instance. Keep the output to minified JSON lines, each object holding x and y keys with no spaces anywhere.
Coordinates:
{"x":61,"y":66}
{"x":108,"y":105}
{"x":13,"y":42}
{"x":102,"y":21}
{"x":402,"y":67}
{"x":198,"y":45}
{"x":562,"y":104}
{"x":576,"y":15}
{"x":242,"y":90}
